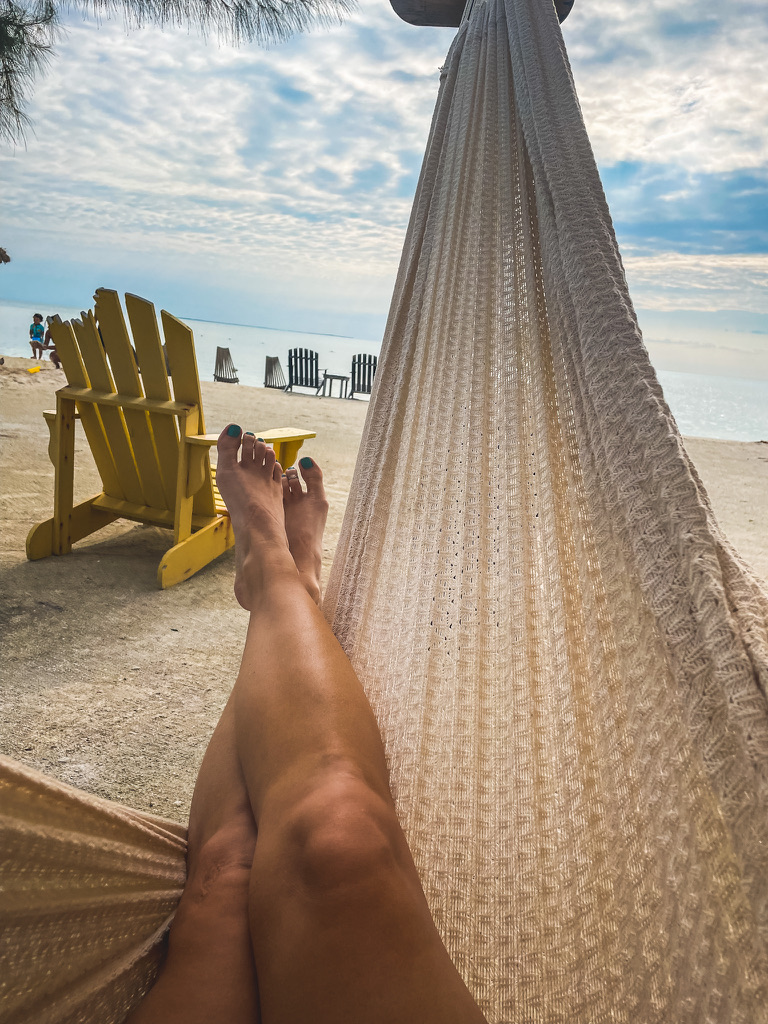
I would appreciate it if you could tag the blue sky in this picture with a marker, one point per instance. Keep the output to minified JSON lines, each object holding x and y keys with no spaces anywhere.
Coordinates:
{"x":273,"y":186}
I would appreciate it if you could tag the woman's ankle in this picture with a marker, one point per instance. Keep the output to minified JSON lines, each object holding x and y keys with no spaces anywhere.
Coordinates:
{"x":262,"y":566}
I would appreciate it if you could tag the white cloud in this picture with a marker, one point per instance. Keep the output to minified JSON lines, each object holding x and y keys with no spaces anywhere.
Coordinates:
{"x":289,"y":171}
{"x":673,"y":83}
{"x":672,"y":280}
{"x":169,"y":143}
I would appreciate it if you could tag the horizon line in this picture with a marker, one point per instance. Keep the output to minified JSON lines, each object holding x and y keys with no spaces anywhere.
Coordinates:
{"x":203,"y":320}
{"x":284,"y":330}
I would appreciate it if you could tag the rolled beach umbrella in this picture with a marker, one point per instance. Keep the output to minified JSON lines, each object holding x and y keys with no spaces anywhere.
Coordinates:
{"x":449,"y":13}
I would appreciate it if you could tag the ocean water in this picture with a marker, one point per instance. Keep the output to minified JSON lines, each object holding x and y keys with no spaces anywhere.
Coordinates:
{"x":249,"y":346}
{"x":723,"y":407}
{"x":728,"y":408}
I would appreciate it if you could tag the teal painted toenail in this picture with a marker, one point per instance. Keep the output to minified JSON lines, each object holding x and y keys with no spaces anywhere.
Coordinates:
{"x":306,"y":463}
{"x":233,"y":430}
{"x":260,"y":439}
{"x":248,"y":433}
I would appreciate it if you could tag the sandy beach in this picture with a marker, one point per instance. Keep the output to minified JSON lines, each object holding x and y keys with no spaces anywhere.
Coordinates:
{"x":115,"y":686}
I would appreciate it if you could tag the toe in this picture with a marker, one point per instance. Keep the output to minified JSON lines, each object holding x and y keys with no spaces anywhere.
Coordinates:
{"x":294,"y":484}
{"x":269,"y":459}
{"x":277,"y":476}
{"x":313,"y":476}
{"x":228,"y":445}
{"x":249,"y":442}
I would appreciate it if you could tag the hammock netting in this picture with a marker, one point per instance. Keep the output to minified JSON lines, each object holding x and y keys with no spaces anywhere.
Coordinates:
{"x":567,"y":659}
{"x":88,"y":890}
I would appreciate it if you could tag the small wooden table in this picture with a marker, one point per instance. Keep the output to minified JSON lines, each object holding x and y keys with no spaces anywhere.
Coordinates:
{"x":343,"y":379}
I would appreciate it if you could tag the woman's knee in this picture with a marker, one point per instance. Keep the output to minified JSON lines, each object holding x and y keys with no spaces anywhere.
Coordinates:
{"x":214,"y":905}
{"x":339,"y":840}
{"x":221,"y":863}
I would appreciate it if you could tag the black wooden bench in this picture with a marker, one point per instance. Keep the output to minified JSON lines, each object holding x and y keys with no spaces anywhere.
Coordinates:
{"x":363,"y":372}
{"x":302,"y":370}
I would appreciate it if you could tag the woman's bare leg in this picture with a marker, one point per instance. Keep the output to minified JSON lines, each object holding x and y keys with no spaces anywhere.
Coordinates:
{"x":209,"y":974}
{"x":340,"y":927}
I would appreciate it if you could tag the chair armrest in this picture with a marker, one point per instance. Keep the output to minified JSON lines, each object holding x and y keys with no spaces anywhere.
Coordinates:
{"x":286,"y":434}
{"x":50,"y":415}
{"x":279,"y":434}
{"x":204,"y":440}
{"x":285,"y":440}
{"x":50,"y":419}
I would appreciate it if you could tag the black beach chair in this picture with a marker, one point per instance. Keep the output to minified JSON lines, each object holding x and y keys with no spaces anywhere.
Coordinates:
{"x":225,"y":371}
{"x":363,"y":372}
{"x":303,"y":371}
{"x":273,"y":374}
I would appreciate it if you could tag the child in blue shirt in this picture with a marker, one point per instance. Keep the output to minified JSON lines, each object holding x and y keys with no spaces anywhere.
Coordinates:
{"x":36,"y":335}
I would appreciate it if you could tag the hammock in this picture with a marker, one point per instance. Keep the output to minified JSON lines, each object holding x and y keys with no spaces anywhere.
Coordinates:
{"x":567,"y":660}
{"x":88,"y":890}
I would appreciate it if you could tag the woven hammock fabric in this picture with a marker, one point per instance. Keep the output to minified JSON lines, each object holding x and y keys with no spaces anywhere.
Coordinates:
{"x":88,"y":892}
{"x":568,"y":661}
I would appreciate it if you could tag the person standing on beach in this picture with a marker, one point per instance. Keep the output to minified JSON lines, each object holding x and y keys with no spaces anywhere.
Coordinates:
{"x":36,"y":334}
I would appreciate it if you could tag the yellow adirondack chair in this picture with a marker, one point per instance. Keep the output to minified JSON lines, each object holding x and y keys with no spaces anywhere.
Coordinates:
{"x":151,"y":470}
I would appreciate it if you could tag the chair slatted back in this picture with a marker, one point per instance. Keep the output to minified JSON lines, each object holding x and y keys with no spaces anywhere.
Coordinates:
{"x":225,"y":370}
{"x":273,"y":373}
{"x":363,"y":372}
{"x":302,"y":369}
{"x":123,"y":362}
{"x":154,"y":374}
{"x":70,"y":348}
{"x":136,"y":451}
{"x":180,"y":347}
{"x":116,"y":430}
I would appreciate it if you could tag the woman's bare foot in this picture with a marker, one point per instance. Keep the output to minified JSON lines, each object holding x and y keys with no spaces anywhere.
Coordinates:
{"x":252,"y":489}
{"x":305,"y":515}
